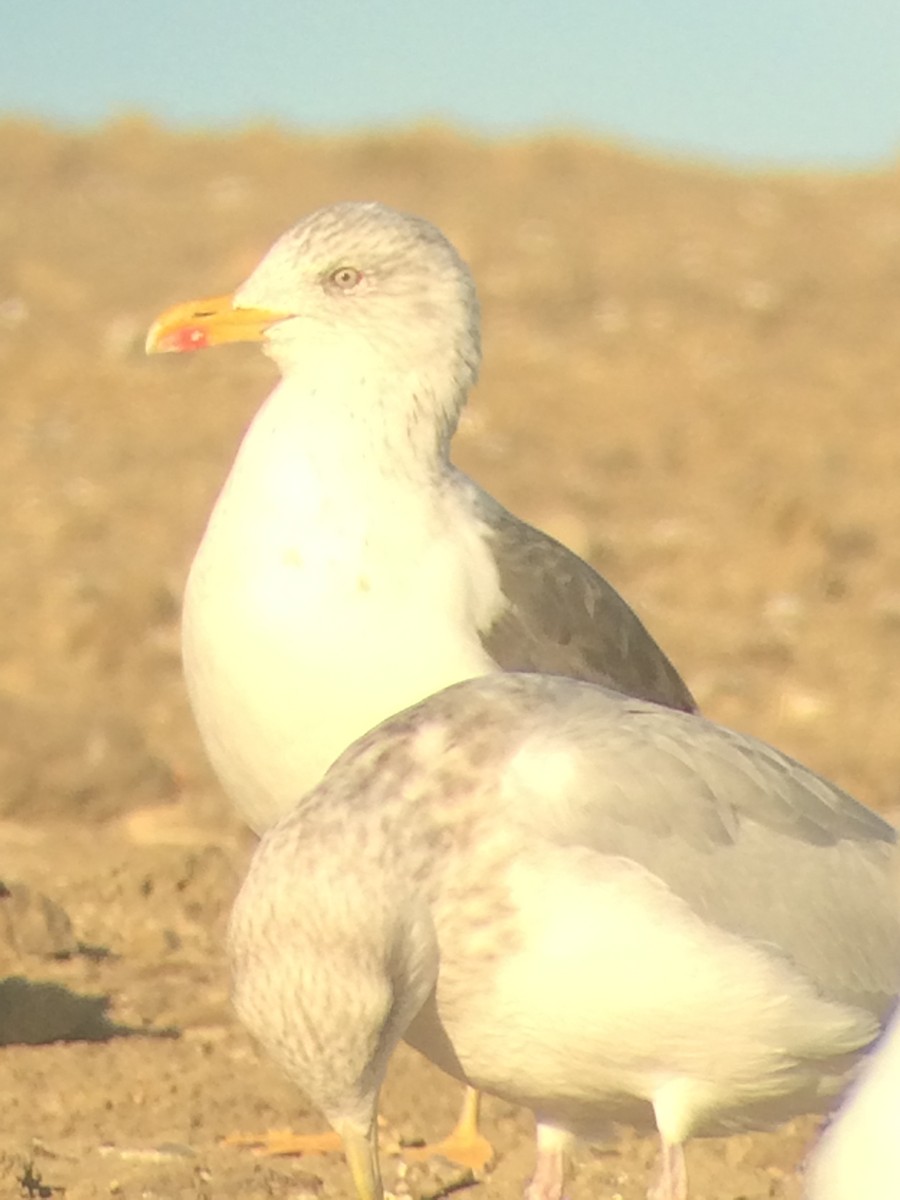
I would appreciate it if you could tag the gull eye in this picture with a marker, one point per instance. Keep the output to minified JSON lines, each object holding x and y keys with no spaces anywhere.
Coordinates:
{"x":345,"y":279}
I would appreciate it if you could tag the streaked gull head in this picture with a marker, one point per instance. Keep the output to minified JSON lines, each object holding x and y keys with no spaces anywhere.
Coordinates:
{"x":357,"y":286}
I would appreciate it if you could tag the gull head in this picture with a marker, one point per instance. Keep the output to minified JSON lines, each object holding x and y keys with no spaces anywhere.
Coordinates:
{"x":353,"y":281}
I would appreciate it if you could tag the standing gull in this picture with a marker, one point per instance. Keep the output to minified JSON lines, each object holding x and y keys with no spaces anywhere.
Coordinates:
{"x":593,"y":906}
{"x":349,"y":569}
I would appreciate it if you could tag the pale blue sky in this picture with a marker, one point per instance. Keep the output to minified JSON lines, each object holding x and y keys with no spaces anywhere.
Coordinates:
{"x":794,"y":82}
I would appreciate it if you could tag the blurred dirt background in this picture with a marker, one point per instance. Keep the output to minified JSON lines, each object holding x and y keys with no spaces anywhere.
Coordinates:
{"x":691,"y":377}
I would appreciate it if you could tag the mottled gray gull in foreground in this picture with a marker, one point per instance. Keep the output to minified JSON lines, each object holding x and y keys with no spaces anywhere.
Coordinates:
{"x":590,"y":905}
{"x":348,"y":569}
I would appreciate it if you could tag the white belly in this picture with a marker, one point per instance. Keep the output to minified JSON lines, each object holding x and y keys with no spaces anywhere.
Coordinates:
{"x":293,"y":649}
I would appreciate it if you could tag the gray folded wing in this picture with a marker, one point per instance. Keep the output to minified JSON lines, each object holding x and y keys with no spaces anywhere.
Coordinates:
{"x":755,"y":843}
{"x":562,"y":618}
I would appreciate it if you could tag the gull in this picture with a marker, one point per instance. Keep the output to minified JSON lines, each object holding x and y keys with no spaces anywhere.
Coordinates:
{"x":594,"y":906}
{"x":349,"y":569}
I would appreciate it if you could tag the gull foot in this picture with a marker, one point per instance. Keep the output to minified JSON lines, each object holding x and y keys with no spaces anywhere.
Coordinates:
{"x":465,"y":1146}
{"x":285,"y":1141}
{"x":467,"y":1149}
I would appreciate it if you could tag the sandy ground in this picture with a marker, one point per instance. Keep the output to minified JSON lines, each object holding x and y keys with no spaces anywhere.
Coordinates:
{"x":691,"y":377}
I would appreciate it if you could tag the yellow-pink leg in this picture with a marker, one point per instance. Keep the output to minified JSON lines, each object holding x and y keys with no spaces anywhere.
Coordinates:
{"x":465,"y":1145}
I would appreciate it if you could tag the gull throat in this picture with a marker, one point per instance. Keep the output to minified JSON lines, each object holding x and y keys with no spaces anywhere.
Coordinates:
{"x":391,"y":421}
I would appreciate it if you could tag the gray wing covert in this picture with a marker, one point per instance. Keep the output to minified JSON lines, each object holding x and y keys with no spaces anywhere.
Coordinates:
{"x":562,"y":618}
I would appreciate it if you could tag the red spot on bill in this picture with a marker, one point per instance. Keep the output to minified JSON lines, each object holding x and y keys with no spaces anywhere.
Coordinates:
{"x":183,"y":339}
{"x":190,"y":338}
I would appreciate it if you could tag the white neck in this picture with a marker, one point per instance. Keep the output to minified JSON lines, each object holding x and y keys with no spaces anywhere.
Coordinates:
{"x":344,"y":405}
{"x":340,"y":449}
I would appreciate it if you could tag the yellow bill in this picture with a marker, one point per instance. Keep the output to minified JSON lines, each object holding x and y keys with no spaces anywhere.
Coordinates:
{"x":201,"y":323}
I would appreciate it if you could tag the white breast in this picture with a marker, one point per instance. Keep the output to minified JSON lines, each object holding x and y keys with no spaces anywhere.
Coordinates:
{"x":312,"y":613}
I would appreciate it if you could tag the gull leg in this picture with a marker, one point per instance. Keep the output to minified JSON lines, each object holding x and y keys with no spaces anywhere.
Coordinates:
{"x":672,"y":1181}
{"x":464,"y":1145}
{"x":549,"y":1177}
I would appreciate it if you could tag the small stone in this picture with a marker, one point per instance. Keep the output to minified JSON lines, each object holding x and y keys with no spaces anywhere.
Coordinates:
{"x":33,"y":924}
